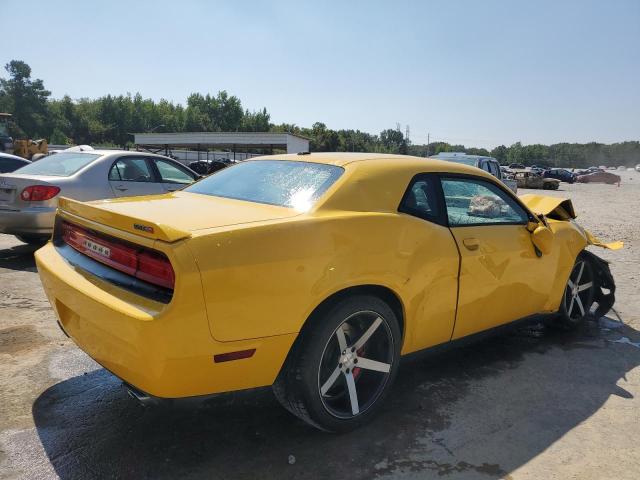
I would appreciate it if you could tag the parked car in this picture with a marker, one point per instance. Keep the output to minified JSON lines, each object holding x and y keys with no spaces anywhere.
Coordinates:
{"x":488,"y":164}
{"x":517,"y":166}
{"x":560,"y":174}
{"x":9,"y":163}
{"x":29,"y":196}
{"x":534,"y":180}
{"x":588,"y":170}
{"x":313,"y":273}
{"x":203,"y":167}
{"x":599,"y":177}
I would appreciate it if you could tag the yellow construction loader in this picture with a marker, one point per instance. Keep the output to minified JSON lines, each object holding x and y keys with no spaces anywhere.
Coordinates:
{"x":23,"y":148}
{"x":30,"y":148}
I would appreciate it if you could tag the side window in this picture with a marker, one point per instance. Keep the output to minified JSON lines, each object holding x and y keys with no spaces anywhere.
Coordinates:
{"x":421,"y":199}
{"x":171,"y":173}
{"x":494,"y":169}
{"x":114,"y":173}
{"x":484,"y":165}
{"x":476,"y":202}
{"x":130,"y":170}
{"x":9,"y":165}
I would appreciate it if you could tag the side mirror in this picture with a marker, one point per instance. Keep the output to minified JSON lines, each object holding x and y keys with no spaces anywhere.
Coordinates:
{"x":542,"y":238}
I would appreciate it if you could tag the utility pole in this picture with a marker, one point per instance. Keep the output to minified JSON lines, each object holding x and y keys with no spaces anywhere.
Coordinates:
{"x":428,"y":142}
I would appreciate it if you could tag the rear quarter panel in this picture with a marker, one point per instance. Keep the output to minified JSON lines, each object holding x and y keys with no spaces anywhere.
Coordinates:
{"x":266,"y":280}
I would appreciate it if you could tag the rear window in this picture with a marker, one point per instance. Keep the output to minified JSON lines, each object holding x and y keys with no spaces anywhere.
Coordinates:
{"x":59,"y":164}
{"x":275,"y":182}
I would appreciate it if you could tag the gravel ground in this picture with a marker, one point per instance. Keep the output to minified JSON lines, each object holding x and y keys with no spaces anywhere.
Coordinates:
{"x":526,"y":404}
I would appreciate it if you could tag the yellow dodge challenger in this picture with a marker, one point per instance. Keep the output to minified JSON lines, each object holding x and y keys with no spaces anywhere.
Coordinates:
{"x":313,"y":273}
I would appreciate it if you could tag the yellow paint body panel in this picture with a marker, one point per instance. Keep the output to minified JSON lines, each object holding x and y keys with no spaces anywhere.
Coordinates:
{"x":249,"y":275}
{"x":544,"y":205}
{"x":164,"y":350}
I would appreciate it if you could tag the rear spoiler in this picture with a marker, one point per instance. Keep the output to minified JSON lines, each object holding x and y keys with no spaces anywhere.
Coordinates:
{"x":138,"y":226}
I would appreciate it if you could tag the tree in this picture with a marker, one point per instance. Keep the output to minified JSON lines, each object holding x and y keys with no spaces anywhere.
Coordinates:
{"x":26,"y":99}
{"x":478,"y":151}
{"x":393,"y":141}
{"x":514,"y":154}
{"x":110,"y":120}
{"x":323,"y":139}
{"x":500,"y":153}
{"x":256,"y":121}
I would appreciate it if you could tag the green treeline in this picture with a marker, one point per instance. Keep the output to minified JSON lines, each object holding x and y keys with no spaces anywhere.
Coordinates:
{"x":110,"y":119}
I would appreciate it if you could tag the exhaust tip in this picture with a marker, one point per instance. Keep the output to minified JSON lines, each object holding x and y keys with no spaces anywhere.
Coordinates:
{"x":143,"y":398}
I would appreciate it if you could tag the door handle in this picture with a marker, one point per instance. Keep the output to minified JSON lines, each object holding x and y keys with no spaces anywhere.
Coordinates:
{"x":471,"y":243}
{"x":122,"y":189}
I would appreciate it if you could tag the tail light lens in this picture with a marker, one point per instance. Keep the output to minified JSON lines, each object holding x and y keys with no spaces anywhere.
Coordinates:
{"x":147,"y":265}
{"x":155,"y":268}
{"x":39,"y":193}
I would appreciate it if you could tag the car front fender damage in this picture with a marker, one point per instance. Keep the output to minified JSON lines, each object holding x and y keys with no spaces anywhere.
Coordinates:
{"x":593,"y":240}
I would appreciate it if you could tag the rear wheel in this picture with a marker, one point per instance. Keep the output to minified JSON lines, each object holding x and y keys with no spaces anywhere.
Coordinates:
{"x":34,"y":240}
{"x":343,"y":365}
{"x":578,"y":294}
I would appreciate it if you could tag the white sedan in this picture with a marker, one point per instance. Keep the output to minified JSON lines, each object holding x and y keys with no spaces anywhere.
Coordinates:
{"x":29,"y":195}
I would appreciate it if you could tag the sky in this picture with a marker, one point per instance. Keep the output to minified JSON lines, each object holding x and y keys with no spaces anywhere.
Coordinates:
{"x":479,"y":73}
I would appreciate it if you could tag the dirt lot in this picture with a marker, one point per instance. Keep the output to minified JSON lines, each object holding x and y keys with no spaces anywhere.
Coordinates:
{"x":527,"y":404}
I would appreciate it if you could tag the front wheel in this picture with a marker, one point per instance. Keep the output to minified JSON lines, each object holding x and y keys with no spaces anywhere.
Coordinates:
{"x":343,"y":365}
{"x":578,"y":294}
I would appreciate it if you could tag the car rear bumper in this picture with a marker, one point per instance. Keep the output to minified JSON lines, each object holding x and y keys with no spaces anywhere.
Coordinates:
{"x":163,"y":350}
{"x":27,"y":221}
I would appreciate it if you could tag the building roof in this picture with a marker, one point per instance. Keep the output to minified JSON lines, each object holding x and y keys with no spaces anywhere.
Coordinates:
{"x":203,"y":139}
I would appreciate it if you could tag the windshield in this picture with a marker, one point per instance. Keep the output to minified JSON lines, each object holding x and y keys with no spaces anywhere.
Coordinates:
{"x":276,"y":182}
{"x":59,"y":165}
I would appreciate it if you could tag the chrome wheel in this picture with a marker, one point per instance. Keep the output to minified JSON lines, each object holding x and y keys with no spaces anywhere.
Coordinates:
{"x":355,"y":365}
{"x":578,"y":295}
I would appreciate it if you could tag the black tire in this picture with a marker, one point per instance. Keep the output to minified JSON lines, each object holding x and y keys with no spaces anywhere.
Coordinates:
{"x":313,"y":389}
{"x":579,"y":294}
{"x":33,"y":240}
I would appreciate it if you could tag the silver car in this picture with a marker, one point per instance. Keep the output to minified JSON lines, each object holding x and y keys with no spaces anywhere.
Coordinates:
{"x":29,"y":196}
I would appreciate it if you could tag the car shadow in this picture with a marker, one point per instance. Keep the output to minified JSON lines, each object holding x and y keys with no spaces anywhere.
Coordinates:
{"x":18,"y":257}
{"x":452,"y":413}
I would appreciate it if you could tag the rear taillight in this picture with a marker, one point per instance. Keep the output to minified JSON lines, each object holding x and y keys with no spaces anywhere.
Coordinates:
{"x":39,"y":193}
{"x":147,"y":265}
{"x":155,"y":268}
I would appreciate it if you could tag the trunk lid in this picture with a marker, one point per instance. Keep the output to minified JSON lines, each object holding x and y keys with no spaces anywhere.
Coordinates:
{"x":173,"y":216}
